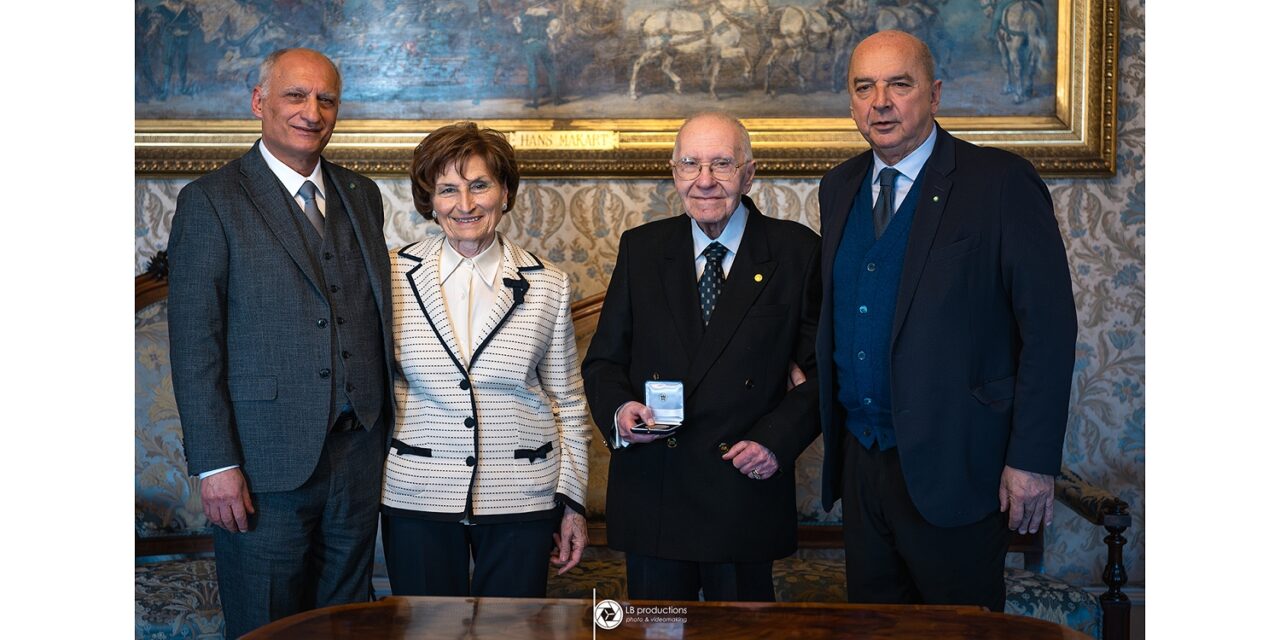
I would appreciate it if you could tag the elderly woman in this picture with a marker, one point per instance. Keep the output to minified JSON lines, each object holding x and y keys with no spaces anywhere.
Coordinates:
{"x":489,"y":456}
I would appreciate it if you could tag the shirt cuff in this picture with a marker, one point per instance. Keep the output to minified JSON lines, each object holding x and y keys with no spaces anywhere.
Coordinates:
{"x":216,"y":471}
{"x":618,"y":442}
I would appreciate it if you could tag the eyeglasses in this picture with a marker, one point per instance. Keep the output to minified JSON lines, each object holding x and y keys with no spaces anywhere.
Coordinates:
{"x":721,"y":168}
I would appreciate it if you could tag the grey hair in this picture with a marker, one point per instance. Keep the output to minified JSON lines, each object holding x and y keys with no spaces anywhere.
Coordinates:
{"x":744,"y":138}
{"x":269,"y":63}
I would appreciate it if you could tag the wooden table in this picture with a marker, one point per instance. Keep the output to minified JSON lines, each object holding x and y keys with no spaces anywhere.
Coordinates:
{"x":513,"y":618}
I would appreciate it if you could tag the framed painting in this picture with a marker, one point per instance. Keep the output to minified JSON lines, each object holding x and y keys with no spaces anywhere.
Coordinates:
{"x":599,"y":87}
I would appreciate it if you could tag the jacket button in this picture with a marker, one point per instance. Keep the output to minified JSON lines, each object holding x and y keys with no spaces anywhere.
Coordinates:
{"x":322,"y":323}
{"x":324,"y":373}
{"x":464,"y":385}
{"x":333,"y":288}
{"x":671,"y":442}
{"x":724,"y":447}
{"x":328,"y":256}
{"x":470,"y":422}
{"x":471,"y":461}
{"x":749,"y":384}
{"x":340,"y":320}
{"x":350,"y":387}
{"x":656,"y":376}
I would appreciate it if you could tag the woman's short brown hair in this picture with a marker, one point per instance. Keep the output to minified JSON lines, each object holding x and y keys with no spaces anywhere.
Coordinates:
{"x":454,"y":145}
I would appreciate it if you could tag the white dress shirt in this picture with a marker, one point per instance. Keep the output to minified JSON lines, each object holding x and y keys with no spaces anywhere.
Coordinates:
{"x":292,"y":181}
{"x":469,"y":286}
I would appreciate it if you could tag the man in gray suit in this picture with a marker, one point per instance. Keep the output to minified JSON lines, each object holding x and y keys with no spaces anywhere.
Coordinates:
{"x":281,"y":343}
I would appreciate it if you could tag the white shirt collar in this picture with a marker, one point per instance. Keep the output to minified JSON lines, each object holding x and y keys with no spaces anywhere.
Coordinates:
{"x":731,"y":237}
{"x":911,"y":165}
{"x":486,"y":263}
{"x":292,"y":180}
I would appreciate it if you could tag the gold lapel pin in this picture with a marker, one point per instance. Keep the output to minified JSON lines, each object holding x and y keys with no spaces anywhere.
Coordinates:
{"x":759,"y":278}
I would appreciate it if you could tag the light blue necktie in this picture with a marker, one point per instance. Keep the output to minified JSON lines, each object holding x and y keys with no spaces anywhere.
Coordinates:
{"x":312,"y":211}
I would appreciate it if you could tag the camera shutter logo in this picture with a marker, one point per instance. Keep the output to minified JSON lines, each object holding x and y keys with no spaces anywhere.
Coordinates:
{"x":608,"y":614}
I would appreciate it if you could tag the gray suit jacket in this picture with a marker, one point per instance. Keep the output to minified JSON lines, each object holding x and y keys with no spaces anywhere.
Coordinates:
{"x":250,"y":328}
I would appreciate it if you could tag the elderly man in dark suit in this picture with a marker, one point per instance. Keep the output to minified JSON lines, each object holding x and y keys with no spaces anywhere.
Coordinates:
{"x":281,"y":344}
{"x":722,"y":299}
{"x":945,"y":346}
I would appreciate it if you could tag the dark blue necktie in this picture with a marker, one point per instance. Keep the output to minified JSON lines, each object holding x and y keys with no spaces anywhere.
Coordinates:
{"x":712,"y":280}
{"x":883,"y":210}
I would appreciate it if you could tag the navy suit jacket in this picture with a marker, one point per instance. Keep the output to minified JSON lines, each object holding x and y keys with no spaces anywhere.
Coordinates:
{"x":245,"y":305}
{"x":983,"y":338}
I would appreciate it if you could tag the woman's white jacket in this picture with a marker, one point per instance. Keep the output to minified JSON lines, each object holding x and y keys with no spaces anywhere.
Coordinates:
{"x":505,"y":436}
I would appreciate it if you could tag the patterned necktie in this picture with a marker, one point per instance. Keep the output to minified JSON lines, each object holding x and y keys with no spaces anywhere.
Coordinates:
{"x":308,"y":194}
{"x":884,"y":204}
{"x":712,"y":280}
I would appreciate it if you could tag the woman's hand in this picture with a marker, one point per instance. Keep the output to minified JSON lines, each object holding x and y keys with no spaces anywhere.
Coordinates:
{"x":570,"y":541}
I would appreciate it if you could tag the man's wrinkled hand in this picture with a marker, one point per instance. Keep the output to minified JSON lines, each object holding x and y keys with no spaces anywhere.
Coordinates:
{"x":631,"y":414}
{"x":570,"y":541}
{"x":753,"y":459}
{"x":226,"y":501}
{"x":1028,"y":497}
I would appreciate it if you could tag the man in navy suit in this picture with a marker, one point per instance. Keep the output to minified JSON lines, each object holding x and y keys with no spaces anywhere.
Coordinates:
{"x":945,"y":343}
{"x":281,"y":343}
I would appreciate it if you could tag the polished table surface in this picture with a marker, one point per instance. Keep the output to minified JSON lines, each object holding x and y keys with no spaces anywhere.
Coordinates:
{"x":503,"y":618}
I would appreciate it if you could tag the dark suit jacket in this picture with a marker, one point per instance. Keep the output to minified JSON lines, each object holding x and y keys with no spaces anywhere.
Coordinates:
{"x":244,"y":306}
{"x":676,"y":498}
{"x":983,"y":334}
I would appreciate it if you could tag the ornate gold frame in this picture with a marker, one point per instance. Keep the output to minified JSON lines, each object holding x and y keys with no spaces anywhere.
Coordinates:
{"x":1079,"y":140}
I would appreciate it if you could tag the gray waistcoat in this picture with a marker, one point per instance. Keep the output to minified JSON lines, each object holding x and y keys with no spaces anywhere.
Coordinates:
{"x":359,"y":378}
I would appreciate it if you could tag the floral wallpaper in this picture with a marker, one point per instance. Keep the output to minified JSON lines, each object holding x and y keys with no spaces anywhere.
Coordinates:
{"x":576,"y":224}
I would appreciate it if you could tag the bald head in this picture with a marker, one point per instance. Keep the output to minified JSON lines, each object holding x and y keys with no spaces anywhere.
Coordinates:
{"x":266,"y":69}
{"x":743,"y":139}
{"x":893,"y":94}
{"x":905,"y":44}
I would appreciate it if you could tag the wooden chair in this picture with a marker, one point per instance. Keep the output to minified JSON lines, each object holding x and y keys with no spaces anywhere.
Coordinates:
{"x":175,"y":583}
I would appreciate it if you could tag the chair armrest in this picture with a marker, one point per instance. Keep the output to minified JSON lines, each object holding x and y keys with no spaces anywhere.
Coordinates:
{"x":1092,"y":503}
{"x":1104,"y":509}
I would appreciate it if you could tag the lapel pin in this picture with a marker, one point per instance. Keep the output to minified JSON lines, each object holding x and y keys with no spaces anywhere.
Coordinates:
{"x":935,"y":198}
{"x":759,"y":278}
{"x":352,"y":185}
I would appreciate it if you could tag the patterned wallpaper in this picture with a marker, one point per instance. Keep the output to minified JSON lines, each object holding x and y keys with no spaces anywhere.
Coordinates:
{"x":576,"y":224}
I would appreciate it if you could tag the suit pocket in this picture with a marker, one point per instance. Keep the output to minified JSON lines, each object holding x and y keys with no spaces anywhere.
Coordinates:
{"x":954,"y":250}
{"x":995,"y":391}
{"x":252,"y":388}
{"x":402,"y":449}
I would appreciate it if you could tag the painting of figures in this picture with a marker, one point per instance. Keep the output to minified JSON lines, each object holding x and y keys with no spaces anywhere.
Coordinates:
{"x":495,"y":59}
